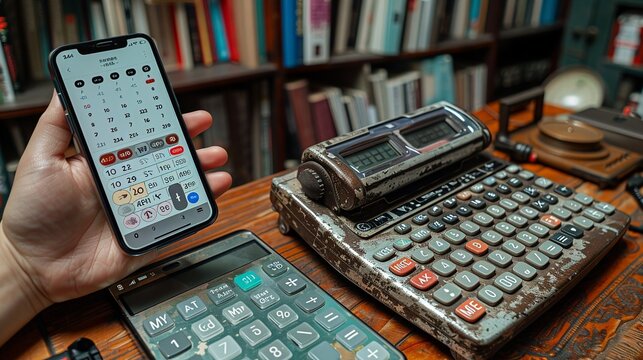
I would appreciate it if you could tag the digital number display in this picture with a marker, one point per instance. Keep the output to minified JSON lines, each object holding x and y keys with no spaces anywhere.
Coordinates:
{"x":371,"y":157}
{"x":428,"y":135}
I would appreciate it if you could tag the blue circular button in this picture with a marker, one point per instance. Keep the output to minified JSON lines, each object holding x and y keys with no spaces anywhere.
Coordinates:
{"x":193,"y":197}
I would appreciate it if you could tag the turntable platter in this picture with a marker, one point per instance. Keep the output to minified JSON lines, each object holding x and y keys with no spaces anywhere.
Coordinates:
{"x":570,"y":131}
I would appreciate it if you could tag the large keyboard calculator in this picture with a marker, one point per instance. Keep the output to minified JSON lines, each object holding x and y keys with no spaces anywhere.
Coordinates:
{"x":235,"y":298}
{"x":465,"y":246}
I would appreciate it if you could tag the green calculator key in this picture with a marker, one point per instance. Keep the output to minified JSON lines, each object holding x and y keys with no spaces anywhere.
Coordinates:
{"x":248,"y":280}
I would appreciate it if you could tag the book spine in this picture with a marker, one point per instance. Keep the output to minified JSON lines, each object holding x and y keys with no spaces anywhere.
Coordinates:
{"x":176,"y":41}
{"x":139,"y":17}
{"x":219,"y":32}
{"x":32,"y":39}
{"x":261,"y":38}
{"x":299,"y":33}
{"x":474,"y":19}
{"x":289,"y":32}
{"x":365,"y":29}
{"x":230,"y":29}
{"x":342,"y":26}
{"x":97,"y":20}
{"x":202,"y":16}
{"x":354,"y":24}
{"x":396,"y":23}
{"x":316,"y":31}
{"x":193,"y":28}
{"x":184,"y":36}
{"x":6,"y":86}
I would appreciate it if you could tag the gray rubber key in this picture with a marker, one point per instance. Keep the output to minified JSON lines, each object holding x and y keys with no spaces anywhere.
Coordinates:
{"x":605,"y":207}
{"x":467,"y":280}
{"x":527,"y":238}
{"x":505,"y":228}
{"x":447,"y":294}
{"x":303,"y":335}
{"x":323,"y":351}
{"x":461,"y":257}
{"x":191,"y":307}
{"x":594,"y":215}
{"x":174,"y":345}
{"x":470,"y":228}
{"x":550,"y":249}
{"x":491,"y":237}
{"x":584,"y":199}
{"x":439,"y":246}
{"x":524,"y":270}
{"x":420,"y":235}
{"x":454,"y":236}
{"x":372,"y":351}
{"x":501,"y":175}
{"x":509,"y":205}
{"x":583,"y":222}
{"x":562,"y":213}
{"x":513,"y":168}
{"x":482,"y":219}
{"x":496,"y":211}
{"x":255,"y":332}
{"x":276,"y":350}
{"x":499,"y":258}
{"x":572,"y":205}
{"x":538,"y":230}
{"x":508,"y":282}
{"x":443,"y":267}
{"x":529,"y":212}
{"x":516,"y":220}
{"x":158,"y":323}
{"x":490,"y":295}
{"x":537,"y":259}
{"x":527,"y":175}
{"x":543,"y":183}
{"x":422,"y":256}
{"x":483,"y":269}
{"x":351,"y":337}
{"x":224,"y":349}
{"x":520,"y":197}
{"x":513,"y":247}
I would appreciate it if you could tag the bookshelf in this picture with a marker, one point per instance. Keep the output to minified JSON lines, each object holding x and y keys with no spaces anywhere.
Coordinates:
{"x":488,"y":48}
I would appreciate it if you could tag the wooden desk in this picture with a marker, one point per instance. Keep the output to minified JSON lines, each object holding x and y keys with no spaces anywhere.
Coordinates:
{"x":601,"y":316}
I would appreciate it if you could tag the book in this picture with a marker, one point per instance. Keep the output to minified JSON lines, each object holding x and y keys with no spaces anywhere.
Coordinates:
{"x":475,"y":19}
{"x":509,"y":14}
{"x":412,"y":30}
{"x":322,"y":117}
{"x":316,"y":31}
{"x":139,"y":17}
{"x":183,"y":36}
{"x":428,"y":27}
{"x":339,"y":116}
{"x":260,"y":28}
{"x":219,"y":31}
{"x":298,"y":99}
{"x":548,"y":12}
{"x":356,"y":7}
{"x":6,"y":84}
{"x":536,"y":12}
{"x":379,"y":26}
{"x":202,"y":20}
{"x":344,"y":12}
{"x":289,"y":32}
{"x":521,"y":11}
{"x":30,"y":29}
{"x":193,"y":31}
{"x":460,"y":19}
{"x":56,"y":23}
{"x":377,"y":82}
{"x":230,"y":29}
{"x":395,"y":24}
{"x":364,"y":29}
{"x":97,"y":20}
{"x":437,"y":80}
{"x":244,"y":13}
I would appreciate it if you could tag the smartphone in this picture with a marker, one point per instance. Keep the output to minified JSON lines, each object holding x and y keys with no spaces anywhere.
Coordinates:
{"x":126,"y":121}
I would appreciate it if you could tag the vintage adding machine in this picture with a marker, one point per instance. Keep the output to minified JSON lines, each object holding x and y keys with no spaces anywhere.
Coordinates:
{"x":465,"y":246}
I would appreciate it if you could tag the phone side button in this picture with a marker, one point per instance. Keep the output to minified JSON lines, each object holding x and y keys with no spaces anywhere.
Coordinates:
{"x":69,"y":122}
{"x":62,"y":102}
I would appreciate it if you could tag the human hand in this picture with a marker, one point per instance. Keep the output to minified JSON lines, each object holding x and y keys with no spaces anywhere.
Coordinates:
{"x":55,"y":230}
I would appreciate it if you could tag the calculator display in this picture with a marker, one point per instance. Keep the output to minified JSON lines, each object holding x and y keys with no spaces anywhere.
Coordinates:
{"x":128,"y":121}
{"x":428,"y":135}
{"x":371,"y":157}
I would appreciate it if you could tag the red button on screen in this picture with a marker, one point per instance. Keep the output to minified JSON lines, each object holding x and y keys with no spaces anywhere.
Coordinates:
{"x":107,"y":159}
{"x":124,"y":154}
{"x":176,"y":150}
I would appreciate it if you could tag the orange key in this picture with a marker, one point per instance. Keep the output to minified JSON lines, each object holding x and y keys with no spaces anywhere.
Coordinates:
{"x":471,"y":310}
{"x":402,"y":267}
{"x":464,"y":195}
{"x":477,"y":247}
{"x":550,"y":221}
{"x":424,"y":280}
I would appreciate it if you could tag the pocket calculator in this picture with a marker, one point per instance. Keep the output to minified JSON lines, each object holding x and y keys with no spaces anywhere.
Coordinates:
{"x":235,"y":298}
{"x":465,"y":246}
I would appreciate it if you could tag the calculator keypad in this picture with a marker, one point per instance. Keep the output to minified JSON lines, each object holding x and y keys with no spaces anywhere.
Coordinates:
{"x":266,"y":310}
{"x":490,"y":241}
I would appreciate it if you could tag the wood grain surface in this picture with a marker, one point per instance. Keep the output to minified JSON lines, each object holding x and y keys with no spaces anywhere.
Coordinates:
{"x":600,"y":318}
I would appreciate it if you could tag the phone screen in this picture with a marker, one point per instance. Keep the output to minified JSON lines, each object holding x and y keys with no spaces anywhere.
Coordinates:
{"x":126,"y":117}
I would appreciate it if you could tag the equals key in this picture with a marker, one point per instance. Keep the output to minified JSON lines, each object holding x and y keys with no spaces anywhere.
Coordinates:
{"x":178,"y":196}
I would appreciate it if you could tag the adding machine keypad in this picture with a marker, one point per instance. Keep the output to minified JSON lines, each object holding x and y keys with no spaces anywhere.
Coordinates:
{"x":489,"y":240}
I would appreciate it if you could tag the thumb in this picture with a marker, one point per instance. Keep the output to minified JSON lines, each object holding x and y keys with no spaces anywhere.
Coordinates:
{"x":52,"y":136}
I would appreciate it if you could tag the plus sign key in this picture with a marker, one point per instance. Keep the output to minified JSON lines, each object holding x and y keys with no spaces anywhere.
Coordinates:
{"x":178,"y":196}
{"x":310,"y":301}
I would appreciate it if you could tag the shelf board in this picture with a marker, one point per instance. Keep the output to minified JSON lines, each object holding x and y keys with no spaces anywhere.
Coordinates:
{"x":33,"y":101}
{"x":628,"y":69}
{"x":356,"y":59}
{"x":521,"y":32}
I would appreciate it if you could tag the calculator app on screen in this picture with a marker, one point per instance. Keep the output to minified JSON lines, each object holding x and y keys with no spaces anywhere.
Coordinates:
{"x":135,"y":140}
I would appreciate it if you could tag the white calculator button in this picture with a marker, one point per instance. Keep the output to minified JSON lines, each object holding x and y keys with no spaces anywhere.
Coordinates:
{"x":132,"y":221}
